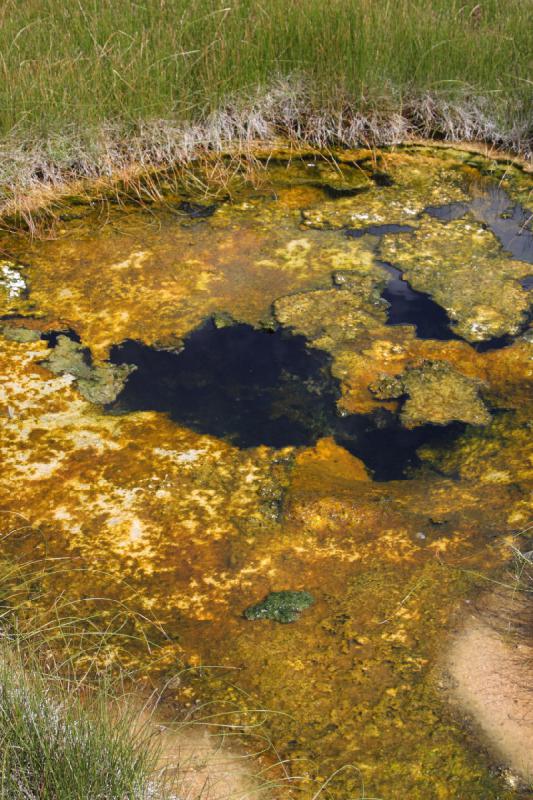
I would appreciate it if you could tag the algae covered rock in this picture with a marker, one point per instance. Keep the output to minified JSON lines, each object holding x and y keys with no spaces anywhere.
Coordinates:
{"x":97,"y":383}
{"x":501,"y":453}
{"x":284,"y":606}
{"x":328,"y":316}
{"x":398,"y":196}
{"x":464,"y":268}
{"x":435,"y":393}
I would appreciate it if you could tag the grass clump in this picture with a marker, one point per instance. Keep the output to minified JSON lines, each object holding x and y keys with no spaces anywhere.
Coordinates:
{"x":60,"y":740}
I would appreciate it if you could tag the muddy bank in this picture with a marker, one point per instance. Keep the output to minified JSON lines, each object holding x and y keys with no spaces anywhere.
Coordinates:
{"x":199,"y":764}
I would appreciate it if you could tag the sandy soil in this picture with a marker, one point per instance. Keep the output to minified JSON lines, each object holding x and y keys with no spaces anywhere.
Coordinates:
{"x":491,"y":670}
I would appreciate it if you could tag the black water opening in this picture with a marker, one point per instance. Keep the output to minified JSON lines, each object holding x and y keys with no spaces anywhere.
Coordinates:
{"x":388,"y":449}
{"x":258,"y":387}
{"x":382,"y":179}
{"x":407,"y":306}
{"x":337,"y":192}
{"x":410,"y":307}
{"x":377,"y":230}
{"x":250,"y":386}
{"x":51,"y":337}
{"x":509,"y":222}
{"x":197,"y":210}
{"x":447,"y":212}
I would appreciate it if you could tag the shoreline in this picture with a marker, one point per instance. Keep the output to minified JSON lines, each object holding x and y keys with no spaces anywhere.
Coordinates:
{"x":21,"y":204}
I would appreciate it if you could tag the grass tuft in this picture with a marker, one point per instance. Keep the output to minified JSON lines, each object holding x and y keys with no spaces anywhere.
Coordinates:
{"x":63,"y":741}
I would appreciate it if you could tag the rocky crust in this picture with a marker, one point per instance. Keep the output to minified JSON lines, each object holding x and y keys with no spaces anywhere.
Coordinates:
{"x":436,"y":393}
{"x":464,"y":269}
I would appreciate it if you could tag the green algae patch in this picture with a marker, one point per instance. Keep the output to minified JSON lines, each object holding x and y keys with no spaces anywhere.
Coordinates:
{"x":435,"y":393}
{"x":284,"y":606}
{"x":501,"y":453}
{"x":327,"y":315}
{"x":96,"y":383}
{"x":464,"y":268}
{"x":346,"y":321}
{"x":20,"y":334}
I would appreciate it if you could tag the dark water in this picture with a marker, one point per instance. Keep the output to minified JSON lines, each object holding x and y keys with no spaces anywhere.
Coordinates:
{"x":447,"y":212}
{"x":382,"y":179}
{"x":260,"y":387}
{"x":335,"y":192}
{"x":409,"y":307}
{"x":52,"y":336}
{"x":256,"y":387}
{"x":406,"y":305}
{"x":507,"y":220}
{"x":197,"y":210}
{"x":252,"y":387}
{"x":377,"y":230}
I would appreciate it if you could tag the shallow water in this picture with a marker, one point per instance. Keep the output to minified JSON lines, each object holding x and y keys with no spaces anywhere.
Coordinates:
{"x":310,"y":410}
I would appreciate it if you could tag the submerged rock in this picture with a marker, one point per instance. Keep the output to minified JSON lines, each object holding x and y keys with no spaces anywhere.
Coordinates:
{"x":329,"y":317}
{"x":98,"y":384}
{"x":284,"y":606}
{"x":436,"y":393}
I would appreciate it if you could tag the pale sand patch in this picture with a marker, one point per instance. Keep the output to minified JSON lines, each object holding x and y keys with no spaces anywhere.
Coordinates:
{"x":204,"y":767}
{"x":491,"y":671}
{"x":195,"y":762}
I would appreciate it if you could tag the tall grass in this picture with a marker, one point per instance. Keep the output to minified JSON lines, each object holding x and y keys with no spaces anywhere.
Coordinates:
{"x":86,"y":61}
{"x":68,"y":730}
{"x":69,"y":69}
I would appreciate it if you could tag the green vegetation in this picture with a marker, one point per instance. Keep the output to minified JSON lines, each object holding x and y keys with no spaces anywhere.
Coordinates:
{"x":62,"y":740}
{"x":94,"y":82}
{"x":98,"y":60}
{"x":97,"y":383}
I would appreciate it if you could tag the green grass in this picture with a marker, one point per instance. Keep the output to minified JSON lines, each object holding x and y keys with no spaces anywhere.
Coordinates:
{"x":60,"y":740}
{"x":68,"y":69}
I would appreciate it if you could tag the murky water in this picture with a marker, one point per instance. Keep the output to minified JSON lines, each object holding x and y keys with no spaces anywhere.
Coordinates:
{"x":321,"y":385}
